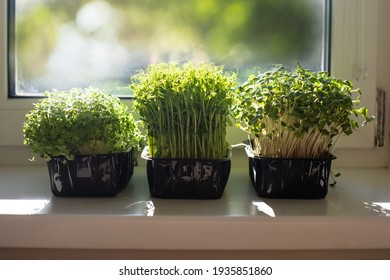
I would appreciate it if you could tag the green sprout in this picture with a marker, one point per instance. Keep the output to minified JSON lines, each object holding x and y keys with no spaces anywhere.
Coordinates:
{"x":81,"y":121}
{"x":185,"y":109}
{"x":297,"y":114}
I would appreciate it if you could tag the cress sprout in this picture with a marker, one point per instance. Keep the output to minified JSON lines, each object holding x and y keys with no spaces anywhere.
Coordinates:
{"x":79,"y":121}
{"x":297,"y":114}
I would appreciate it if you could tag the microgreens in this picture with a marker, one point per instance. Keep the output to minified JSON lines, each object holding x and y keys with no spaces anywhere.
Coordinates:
{"x":185,"y":109}
{"x":81,"y":121}
{"x":297,"y":113}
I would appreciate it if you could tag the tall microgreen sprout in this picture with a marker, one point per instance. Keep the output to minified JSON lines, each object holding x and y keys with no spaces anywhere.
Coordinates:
{"x":297,"y":114}
{"x":185,"y":109}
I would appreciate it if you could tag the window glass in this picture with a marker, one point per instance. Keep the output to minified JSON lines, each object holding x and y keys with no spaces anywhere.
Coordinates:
{"x":57,"y":44}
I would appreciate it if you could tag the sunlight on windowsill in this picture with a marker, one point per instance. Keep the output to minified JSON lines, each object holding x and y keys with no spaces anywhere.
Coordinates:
{"x":380,"y":208}
{"x":22,"y":206}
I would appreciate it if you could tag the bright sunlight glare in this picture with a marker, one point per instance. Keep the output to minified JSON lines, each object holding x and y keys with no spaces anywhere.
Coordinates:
{"x":264,"y":208}
{"x":22,"y":206}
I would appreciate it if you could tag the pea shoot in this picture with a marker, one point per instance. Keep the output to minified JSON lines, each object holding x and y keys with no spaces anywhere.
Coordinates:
{"x":185,"y":109}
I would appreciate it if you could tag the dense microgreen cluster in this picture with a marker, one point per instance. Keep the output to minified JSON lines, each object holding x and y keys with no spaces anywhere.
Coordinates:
{"x":297,"y":113}
{"x":185,"y":109}
{"x":81,"y":121}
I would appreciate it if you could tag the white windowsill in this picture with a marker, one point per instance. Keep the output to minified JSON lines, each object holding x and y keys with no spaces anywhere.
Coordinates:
{"x":354,"y":215}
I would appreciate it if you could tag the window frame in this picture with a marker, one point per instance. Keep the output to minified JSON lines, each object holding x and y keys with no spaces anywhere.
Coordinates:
{"x":11,"y":47}
{"x":357,"y":33}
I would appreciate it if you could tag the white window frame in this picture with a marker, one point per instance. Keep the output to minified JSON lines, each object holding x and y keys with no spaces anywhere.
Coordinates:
{"x":356,"y":29}
{"x":354,"y":56}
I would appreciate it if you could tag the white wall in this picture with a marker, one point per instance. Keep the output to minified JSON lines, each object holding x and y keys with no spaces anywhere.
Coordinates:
{"x":383,"y":67}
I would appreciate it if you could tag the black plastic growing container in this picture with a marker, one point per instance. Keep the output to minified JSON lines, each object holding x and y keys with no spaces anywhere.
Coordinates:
{"x":289,"y":177}
{"x":91,"y":175}
{"x":187,"y":178}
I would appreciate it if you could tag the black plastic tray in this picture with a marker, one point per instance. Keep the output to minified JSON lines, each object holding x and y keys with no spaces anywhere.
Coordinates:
{"x":187,"y":178}
{"x":91,"y":175}
{"x":289,"y":177}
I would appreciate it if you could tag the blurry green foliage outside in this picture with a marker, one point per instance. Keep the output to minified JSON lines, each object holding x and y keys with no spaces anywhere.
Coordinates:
{"x":78,"y":43}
